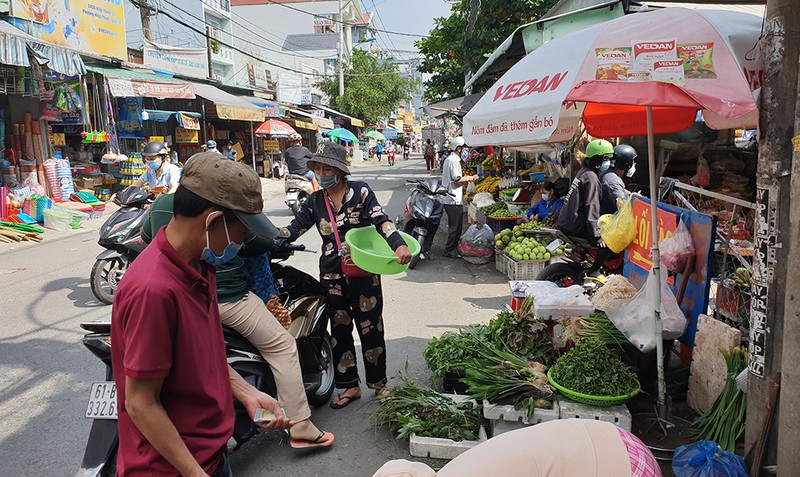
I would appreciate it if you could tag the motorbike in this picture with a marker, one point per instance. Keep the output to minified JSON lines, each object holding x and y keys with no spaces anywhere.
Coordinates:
{"x":299,"y":292}
{"x":121,"y":236}
{"x":406,"y":152}
{"x":390,"y":157}
{"x":297,"y":189}
{"x":424,"y":210}
{"x":577,"y":265}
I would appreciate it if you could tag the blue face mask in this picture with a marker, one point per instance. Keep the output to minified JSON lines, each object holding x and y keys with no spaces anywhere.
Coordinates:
{"x":605,"y":167}
{"x":228,"y":253}
{"x":155,"y":164}
{"x":464,"y":155}
{"x":545,"y":197}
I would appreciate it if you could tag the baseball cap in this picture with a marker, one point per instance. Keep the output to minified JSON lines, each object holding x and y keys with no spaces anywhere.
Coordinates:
{"x":331,"y":154}
{"x":231,"y":185}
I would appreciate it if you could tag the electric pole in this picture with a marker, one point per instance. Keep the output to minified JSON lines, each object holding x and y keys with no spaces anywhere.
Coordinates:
{"x":208,"y":52}
{"x":775,"y":303}
{"x":144,"y":14}
{"x":341,"y":50}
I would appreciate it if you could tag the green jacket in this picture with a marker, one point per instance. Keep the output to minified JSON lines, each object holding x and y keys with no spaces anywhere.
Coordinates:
{"x":233,"y":279}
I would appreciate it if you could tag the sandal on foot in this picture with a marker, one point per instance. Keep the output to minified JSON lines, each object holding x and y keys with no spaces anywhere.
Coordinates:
{"x":383,"y":391}
{"x":324,"y":439}
{"x":340,"y":397}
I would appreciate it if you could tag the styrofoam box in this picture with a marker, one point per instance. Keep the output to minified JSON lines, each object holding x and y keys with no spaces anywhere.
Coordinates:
{"x":504,"y":418}
{"x":436,"y":448}
{"x":617,"y":415}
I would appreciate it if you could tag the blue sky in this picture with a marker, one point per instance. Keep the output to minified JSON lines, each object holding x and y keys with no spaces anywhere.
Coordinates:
{"x":408,"y":16}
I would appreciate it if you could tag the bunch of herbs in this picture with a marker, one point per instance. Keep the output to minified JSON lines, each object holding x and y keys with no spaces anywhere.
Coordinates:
{"x":452,"y":350}
{"x":412,"y":409}
{"x":592,"y":368}
{"x":527,"y":337}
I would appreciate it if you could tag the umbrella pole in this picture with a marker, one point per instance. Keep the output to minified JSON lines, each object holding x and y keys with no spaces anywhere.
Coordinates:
{"x":253,"y":145}
{"x":656,"y":268}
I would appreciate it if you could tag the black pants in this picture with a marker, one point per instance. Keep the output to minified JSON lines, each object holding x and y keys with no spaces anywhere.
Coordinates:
{"x":359,"y":301}
{"x":455,"y":224}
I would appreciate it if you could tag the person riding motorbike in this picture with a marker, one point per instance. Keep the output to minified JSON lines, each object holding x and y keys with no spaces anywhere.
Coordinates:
{"x":160,"y":175}
{"x":578,"y":216}
{"x":297,"y":156}
{"x":612,"y":185}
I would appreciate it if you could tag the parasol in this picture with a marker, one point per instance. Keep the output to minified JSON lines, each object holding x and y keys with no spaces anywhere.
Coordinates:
{"x":274,"y":128}
{"x":342,"y":134}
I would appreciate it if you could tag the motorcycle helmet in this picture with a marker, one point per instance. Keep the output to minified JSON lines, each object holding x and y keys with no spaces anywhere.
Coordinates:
{"x":624,"y":157}
{"x":155,"y":148}
{"x":294,"y":137}
{"x":597,"y":152}
{"x":211,"y":145}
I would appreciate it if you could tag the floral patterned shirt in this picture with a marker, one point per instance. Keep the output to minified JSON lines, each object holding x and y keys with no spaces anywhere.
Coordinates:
{"x":359,"y":209}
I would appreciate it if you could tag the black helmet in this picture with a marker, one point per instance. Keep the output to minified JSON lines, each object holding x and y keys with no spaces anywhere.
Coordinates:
{"x":154,"y":148}
{"x":624,"y":157}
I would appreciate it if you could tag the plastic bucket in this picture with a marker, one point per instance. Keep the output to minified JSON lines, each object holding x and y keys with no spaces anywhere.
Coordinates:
{"x":372,"y":254}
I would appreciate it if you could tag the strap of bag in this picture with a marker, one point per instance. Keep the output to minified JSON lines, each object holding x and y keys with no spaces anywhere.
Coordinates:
{"x":333,"y":221}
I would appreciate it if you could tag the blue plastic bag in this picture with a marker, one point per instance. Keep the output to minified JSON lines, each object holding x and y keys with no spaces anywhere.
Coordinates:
{"x":706,"y":459}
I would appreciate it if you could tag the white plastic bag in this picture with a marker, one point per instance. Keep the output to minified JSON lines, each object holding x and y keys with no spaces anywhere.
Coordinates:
{"x":477,"y":241}
{"x":677,"y":248}
{"x":636,"y":320}
{"x":471,"y":189}
{"x":557,"y":304}
{"x":482,"y":199}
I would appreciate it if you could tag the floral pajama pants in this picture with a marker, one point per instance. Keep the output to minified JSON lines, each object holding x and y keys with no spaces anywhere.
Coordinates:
{"x":357,"y":303}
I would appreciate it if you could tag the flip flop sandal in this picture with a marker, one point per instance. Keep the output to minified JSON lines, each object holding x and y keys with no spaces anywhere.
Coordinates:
{"x":339,"y":397}
{"x":324,"y":439}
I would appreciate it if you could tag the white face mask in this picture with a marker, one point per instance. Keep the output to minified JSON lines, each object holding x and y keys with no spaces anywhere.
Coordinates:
{"x":631,"y":171}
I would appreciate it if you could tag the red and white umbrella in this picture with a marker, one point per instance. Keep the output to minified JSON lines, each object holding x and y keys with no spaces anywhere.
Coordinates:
{"x":275,"y":128}
{"x":676,"y":60}
{"x":645,"y":73}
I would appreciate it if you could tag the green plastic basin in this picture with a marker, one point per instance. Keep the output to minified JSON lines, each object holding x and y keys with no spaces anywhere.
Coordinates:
{"x":371,"y":252}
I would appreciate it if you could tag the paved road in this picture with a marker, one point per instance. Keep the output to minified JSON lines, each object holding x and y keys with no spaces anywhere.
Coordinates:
{"x":45,"y":372}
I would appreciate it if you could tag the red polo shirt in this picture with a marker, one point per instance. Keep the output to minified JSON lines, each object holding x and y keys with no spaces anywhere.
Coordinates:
{"x":165,"y":325}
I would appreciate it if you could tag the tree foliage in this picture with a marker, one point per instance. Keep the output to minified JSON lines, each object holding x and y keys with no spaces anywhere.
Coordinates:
{"x":447,"y":56}
{"x":373,"y":88}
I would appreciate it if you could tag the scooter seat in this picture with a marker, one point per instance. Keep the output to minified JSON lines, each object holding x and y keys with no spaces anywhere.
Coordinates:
{"x":234,"y":339}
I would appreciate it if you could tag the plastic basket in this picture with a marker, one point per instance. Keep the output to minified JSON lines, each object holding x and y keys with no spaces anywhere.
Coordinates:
{"x":537,"y":177}
{"x":498,"y":225}
{"x":589,"y":399}
{"x":525,"y":269}
{"x":63,"y":219}
{"x":501,"y":261}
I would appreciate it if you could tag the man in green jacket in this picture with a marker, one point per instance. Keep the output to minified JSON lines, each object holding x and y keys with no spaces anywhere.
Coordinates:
{"x":242,"y":310}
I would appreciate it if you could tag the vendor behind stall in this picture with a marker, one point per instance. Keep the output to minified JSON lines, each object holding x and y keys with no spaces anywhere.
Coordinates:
{"x":160,"y":175}
{"x":550,"y":204}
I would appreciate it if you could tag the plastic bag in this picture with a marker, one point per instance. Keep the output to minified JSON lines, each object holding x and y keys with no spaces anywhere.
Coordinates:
{"x":618,"y":229}
{"x":482,"y":199}
{"x":677,"y":249}
{"x":703,"y":176}
{"x":477,"y":241}
{"x":635,"y":317}
{"x":706,"y":459}
{"x":471,"y":189}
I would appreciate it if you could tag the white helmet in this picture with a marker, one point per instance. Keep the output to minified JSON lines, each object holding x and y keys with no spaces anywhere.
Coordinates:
{"x":295,"y":137}
{"x":456,"y":142}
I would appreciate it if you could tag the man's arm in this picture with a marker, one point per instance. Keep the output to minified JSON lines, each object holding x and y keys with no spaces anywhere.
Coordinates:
{"x":143,"y":404}
{"x":591,"y":196}
{"x":253,"y":399}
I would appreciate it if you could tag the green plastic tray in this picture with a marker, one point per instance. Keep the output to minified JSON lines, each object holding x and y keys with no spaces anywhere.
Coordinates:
{"x":589,"y":399}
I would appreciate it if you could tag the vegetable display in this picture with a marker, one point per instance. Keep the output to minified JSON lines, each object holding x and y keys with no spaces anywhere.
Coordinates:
{"x":413,"y":409}
{"x":616,"y":287}
{"x":597,"y":325}
{"x":453,"y":349}
{"x":724,"y":421}
{"x":591,"y":368}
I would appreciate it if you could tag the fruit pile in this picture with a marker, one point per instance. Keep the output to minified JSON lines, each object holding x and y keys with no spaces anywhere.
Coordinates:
{"x":742,"y":279}
{"x":527,"y":172}
{"x":519,"y":247}
{"x":490,"y":184}
{"x":498,"y":210}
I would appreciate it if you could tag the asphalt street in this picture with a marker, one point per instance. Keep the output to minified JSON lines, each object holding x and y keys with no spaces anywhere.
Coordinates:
{"x":46,"y":373}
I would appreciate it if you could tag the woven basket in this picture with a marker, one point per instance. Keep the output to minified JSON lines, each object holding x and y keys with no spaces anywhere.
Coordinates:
{"x":589,"y":399}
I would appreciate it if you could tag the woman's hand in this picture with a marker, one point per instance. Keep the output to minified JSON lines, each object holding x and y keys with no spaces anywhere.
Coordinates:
{"x":265,"y":401}
{"x":403,"y":254}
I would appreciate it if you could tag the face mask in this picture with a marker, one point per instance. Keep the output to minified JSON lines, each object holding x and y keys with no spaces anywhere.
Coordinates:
{"x":545,"y":197}
{"x":631,"y":171}
{"x":155,"y":164}
{"x":328,"y":182}
{"x":606,"y":165}
{"x":228,"y":253}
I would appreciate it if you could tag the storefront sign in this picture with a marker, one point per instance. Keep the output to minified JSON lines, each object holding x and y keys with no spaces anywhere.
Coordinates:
{"x":272,"y":145}
{"x":325,"y":123}
{"x":289,"y":88}
{"x":70,"y":117}
{"x":272,"y":110}
{"x":51,"y":76}
{"x":239,"y":113}
{"x":156,"y":138}
{"x":322,"y":21}
{"x":130,"y":122}
{"x":127,"y":88}
{"x":188,"y":122}
{"x":257,"y":76}
{"x":638,"y":261}
{"x":305,"y":94}
{"x":185,"y":61}
{"x":96,"y":26}
{"x":187,"y":136}
{"x":398,"y":124}
{"x":409,"y":117}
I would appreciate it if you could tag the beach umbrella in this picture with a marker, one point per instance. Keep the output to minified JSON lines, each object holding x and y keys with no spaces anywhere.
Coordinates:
{"x":342,"y":134}
{"x":375,"y":135}
{"x":641,"y":74}
{"x":274,"y":128}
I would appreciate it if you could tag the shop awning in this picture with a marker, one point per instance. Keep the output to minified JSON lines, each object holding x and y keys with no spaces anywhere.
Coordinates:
{"x":297,"y":123}
{"x":228,"y":106}
{"x":182,"y":117}
{"x":15,"y":45}
{"x":126,"y":83}
{"x":457,"y":106}
{"x":353,"y":121}
{"x":271,"y":108}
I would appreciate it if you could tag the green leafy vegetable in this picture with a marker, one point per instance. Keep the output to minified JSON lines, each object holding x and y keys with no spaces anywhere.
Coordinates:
{"x":452,"y":350}
{"x":591,"y":368}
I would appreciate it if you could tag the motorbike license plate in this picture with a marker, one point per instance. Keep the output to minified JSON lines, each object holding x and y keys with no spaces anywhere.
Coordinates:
{"x":102,"y":401}
{"x":292,"y":195}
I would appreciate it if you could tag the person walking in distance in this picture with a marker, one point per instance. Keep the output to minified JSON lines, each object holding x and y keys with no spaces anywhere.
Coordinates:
{"x":453,"y":181}
{"x":430,"y":153}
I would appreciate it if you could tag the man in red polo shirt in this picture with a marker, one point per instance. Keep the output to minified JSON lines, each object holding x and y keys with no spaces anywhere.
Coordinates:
{"x":175,"y":389}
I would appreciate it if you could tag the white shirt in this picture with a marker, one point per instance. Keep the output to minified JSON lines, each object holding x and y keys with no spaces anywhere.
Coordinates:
{"x":230,"y":154}
{"x":170,"y":176}
{"x":451,"y":173}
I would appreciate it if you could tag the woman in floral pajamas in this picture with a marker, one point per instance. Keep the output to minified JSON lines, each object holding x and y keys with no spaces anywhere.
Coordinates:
{"x":352,"y":302}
